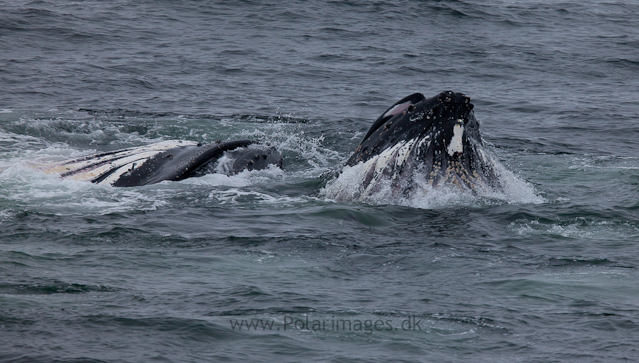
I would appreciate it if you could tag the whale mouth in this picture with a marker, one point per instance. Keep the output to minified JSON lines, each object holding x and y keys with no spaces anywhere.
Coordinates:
{"x":170,"y":160}
{"x":422,"y":142}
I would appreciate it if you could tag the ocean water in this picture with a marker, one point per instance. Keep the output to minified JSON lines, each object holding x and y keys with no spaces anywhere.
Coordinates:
{"x":262,"y":266}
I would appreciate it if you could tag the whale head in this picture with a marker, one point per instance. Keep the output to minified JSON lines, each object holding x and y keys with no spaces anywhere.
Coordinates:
{"x":422,"y":141}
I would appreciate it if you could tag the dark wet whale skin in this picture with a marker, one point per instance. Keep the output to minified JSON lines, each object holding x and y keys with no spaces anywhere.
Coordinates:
{"x":428,"y":126}
{"x":190,"y":161}
{"x":171,"y":160}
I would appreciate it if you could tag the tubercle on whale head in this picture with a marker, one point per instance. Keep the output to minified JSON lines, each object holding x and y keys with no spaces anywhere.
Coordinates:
{"x":456,"y":103}
{"x":447,"y":119}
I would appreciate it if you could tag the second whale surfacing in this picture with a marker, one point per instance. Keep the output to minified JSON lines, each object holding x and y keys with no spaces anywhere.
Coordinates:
{"x":171,"y":160}
{"x":417,"y":145}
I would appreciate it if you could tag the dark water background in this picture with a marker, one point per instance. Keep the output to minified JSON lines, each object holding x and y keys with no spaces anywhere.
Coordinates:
{"x":160,"y":273}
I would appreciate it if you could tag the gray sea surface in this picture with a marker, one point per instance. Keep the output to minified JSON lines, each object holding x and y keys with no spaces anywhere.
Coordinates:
{"x":261,"y":266}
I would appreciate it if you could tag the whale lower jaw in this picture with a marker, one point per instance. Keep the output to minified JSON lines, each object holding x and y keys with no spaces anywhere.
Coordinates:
{"x":405,"y":169}
{"x":171,"y":160}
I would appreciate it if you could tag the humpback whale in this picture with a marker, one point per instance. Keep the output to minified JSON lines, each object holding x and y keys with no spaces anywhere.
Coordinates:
{"x":416,"y":144}
{"x":168,"y":160}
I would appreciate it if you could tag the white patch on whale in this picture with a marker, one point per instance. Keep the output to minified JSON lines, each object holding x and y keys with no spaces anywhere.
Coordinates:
{"x":121,"y":161}
{"x":397,"y":109}
{"x":361,"y":181}
{"x":456,"y":145}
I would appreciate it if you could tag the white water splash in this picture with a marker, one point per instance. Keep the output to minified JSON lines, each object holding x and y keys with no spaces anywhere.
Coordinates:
{"x":355,"y":184}
{"x":51,"y":194}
